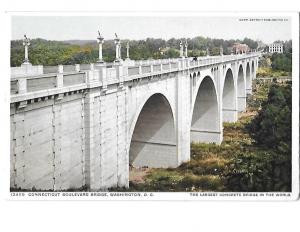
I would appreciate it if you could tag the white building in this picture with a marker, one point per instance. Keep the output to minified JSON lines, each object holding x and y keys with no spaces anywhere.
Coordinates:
{"x":276,"y":48}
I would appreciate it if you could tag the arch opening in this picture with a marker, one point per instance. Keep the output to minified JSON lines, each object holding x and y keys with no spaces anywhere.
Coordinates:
{"x":248,"y":80}
{"x":241,"y":90}
{"x":229,"y":108}
{"x":205,"y":123}
{"x":153,"y":142}
{"x":252,"y":70}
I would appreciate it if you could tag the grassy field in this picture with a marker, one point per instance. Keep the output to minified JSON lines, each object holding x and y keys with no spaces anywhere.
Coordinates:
{"x":206,"y":171}
{"x":268,"y":72}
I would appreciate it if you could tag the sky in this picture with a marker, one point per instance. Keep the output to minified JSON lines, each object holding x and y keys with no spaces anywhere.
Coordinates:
{"x":266,"y":29}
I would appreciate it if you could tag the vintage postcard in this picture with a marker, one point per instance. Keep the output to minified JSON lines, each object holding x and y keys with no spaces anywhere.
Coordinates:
{"x":173,"y":106}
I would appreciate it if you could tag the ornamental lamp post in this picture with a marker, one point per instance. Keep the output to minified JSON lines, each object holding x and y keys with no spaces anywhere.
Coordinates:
{"x":186,"y":50}
{"x":118,"y":48}
{"x":221,"y":51}
{"x":181,"y":49}
{"x":100,"y":41}
{"x":127,"y":51}
{"x":207,"y":52}
{"x":26,"y":43}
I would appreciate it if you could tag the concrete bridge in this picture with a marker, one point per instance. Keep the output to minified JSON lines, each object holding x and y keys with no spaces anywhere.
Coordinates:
{"x":84,"y":125}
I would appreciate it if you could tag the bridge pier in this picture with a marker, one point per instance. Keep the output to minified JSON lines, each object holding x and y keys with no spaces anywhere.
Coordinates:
{"x":209,"y":136}
{"x":242,"y":103}
{"x":230,"y":115}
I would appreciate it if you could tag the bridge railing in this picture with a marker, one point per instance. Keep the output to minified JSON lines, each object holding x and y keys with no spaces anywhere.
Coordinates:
{"x":103,"y":74}
{"x":22,"y":85}
{"x":28,"y":69}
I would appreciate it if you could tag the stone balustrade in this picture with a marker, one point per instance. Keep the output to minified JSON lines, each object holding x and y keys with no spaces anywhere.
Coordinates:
{"x":61,"y":76}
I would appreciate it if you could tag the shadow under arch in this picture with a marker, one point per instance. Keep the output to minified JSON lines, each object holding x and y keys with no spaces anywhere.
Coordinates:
{"x":248,"y":80}
{"x":205,"y":120}
{"x":229,"y":108}
{"x":252,"y":70}
{"x":153,"y":140}
{"x":241,"y":90}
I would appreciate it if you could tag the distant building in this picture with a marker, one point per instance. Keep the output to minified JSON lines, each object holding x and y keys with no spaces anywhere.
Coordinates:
{"x":239,"y":48}
{"x":276,"y":48}
{"x":162,"y":51}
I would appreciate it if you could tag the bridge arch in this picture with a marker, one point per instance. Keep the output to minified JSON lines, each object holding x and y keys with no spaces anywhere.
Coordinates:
{"x":252,"y":70}
{"x":241,"y":90}
{"x":229,"y":108}
{"x":205,"y":115}
{"x":248,"y":79}
{"x":153,"y":134}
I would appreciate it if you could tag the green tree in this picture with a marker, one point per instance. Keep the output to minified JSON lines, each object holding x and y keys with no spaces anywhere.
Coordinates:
{"x":272,"y":126}
{"x":282,"y":62}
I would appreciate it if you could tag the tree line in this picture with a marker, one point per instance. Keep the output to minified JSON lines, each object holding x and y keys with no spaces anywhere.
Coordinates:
{"x":46,"y":52}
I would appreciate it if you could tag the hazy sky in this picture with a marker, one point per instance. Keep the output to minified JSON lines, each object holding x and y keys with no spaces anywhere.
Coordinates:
{"x":85,"y":27}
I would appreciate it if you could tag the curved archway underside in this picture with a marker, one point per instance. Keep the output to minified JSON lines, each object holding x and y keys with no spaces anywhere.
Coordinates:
{"x":248,"y":80}
{"x":252,"y":71}
{"x":229,"y":108}
{"x":241,"y":90}
{"x":205,"y":125}
{"x":153,"y":143}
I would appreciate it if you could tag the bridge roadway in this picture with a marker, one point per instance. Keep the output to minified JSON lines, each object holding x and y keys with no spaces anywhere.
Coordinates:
{"x":83,"y":125}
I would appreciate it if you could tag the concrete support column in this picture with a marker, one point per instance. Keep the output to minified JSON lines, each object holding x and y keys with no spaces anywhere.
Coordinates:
{"x":89,"y":141}
{"x":219,"y":76}
{"x":17,"y":158}
{"x":241,"y":103}
{"x":229,"y":115}
{"x":122,"y":155}
{"x":58,"y":182}
{"x":255,"y":69}
{"x":249,"y":91}
{"x":103,"y":139}
{"x":182,"y":115}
